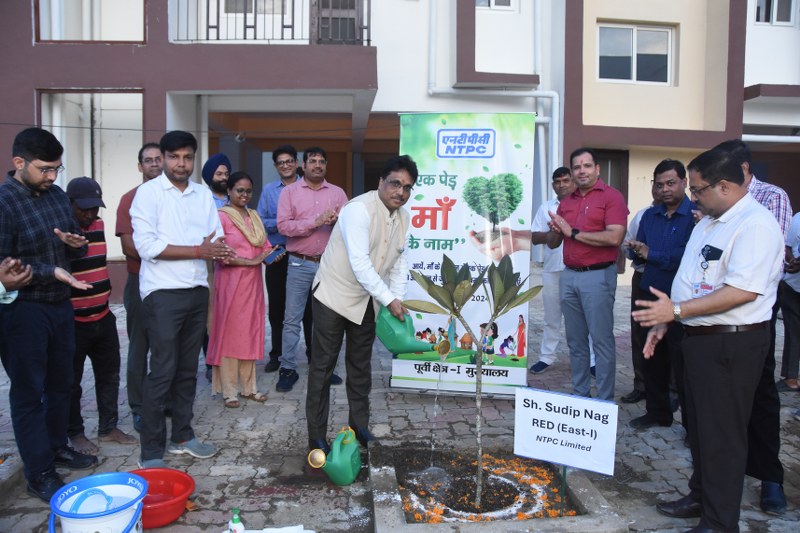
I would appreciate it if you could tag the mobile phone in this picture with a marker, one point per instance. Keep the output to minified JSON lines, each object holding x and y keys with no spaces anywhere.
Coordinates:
{"x":277,"y":252}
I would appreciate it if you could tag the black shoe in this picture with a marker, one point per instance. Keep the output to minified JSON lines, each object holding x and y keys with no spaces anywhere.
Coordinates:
{"x":685,"y":507}
{"x":272,"y":366}
{"x":633,"y":397}
{"x":336,"y":380}
{"x":773,"y":500}
{"x":137,"y":422}
{"x":286,"y":380}
{"x":647,"y":421}
{"x":73,"y":459}
{"x":319,"y":444}
{"x":45,"y":485}
{"x":364,"y":437}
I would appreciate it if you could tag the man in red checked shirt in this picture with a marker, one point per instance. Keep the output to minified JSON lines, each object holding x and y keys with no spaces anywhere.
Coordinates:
{"x":591,"y":223}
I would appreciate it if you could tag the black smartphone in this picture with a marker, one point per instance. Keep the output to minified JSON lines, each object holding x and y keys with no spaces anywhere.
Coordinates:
{"x":277,"y":252}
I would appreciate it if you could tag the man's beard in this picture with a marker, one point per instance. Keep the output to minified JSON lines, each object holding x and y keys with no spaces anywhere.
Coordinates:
{"x":219,"y":186}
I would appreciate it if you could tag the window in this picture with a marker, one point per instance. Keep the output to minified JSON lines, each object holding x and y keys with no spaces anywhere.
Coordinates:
{"x":90,"y":20}
{"x":774,"y":11}
{"x":500,"y":4}
{"x":262,"y":6}
{"x":635,"y":53}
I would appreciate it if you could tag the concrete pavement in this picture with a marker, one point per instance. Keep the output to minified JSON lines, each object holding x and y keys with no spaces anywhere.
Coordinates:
{"x":261,"y":466}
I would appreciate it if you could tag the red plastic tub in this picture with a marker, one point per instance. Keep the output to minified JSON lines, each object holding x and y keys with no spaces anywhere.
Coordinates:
{"x":167,"y":492}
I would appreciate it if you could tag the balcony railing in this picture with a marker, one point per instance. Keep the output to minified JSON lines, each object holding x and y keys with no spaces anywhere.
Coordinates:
{"x":271,"y":21}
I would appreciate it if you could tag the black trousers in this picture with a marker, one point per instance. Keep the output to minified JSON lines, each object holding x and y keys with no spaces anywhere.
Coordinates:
{"x":638,"y":334}
{"x":722,"y":374}
{"x":764,"y":429}
{"x":329,"y":328}
{"x":176,"y":322}
{"x":275,"y":278}
{"x":790,"y":306}
{"x":137,"y":343}
{"x":100,"y":342}
{"x":658,"y":370}
{"x":37,"y":344}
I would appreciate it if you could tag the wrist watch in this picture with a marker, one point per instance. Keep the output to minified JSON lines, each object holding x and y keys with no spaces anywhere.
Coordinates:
{"x":575,"y":232}
{"x":676,"y":312}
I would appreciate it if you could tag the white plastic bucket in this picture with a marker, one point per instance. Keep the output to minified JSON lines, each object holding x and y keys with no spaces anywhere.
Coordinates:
{"x":108,"y":503}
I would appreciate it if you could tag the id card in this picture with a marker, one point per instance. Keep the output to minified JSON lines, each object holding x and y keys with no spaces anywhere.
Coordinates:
{"x":701,"y":289}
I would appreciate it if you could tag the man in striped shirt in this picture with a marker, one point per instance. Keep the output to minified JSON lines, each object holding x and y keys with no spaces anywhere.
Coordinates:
{"x":95,"y":325}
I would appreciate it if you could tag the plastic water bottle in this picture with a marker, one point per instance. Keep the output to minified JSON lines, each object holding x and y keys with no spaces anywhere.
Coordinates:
{"x":235,"y":524}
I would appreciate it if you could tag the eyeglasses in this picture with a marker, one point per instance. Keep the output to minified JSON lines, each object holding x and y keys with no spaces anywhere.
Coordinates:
{"x":285,"y":163}
{"x":316,"y":162}
{"x":698,"y":192}
{"x":47,"y":170}
{"x":663,"y":185}
{"x":244,"y":192}
{"x":394,"y":185}
{"x":151,"y":161}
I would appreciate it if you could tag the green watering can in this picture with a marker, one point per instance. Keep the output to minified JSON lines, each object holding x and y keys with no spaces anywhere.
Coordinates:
{"x":343,"y":463}
{"x":398,"y":337}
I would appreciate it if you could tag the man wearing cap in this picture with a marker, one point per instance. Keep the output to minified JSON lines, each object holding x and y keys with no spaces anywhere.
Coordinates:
{"x":37,"y":331}
{"x":95,"y":324}
{"x":215,"y":173}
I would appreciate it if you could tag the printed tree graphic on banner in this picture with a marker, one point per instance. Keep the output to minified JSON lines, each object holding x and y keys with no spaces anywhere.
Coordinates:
{"x":494,"y":199}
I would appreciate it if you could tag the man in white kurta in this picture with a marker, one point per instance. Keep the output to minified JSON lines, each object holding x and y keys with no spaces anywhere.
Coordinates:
{"x":364,"y":264}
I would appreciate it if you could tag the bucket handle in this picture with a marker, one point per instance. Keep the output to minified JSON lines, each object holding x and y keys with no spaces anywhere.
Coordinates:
{"x":88,"y":494}
{"x":134,"y":519}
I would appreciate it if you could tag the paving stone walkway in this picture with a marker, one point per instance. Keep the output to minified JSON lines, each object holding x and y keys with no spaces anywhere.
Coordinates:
{"x":261,"y":467}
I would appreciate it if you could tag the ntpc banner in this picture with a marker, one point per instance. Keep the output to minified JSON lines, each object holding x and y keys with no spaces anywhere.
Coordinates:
{"x":474,"y":191}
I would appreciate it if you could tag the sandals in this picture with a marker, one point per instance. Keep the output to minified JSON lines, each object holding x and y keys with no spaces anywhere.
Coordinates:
{"x":259,"y":397}
{"x":233,"y":403}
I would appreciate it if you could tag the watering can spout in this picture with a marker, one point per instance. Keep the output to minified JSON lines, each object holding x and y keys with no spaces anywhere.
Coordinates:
{"x":343,"y":462}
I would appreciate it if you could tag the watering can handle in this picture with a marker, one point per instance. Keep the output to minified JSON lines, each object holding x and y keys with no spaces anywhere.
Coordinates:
{"x":134,"y":519}
{"x":88,"y":494}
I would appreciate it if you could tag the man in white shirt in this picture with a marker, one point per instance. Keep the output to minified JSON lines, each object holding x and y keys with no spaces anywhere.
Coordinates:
{"x":563,"y":185}
{"x":723,"y":294}
{"x":364,"y":265}
{"x":176,"y":230}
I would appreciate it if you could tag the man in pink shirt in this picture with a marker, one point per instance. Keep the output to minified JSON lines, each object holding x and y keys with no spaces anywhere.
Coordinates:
{"x":307,"y":211}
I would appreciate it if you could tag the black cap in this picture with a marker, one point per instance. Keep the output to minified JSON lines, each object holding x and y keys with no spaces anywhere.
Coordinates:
{"x":85,"y":192}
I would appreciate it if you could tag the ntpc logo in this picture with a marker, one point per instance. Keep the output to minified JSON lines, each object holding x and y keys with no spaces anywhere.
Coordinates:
{"x":465,"y":143}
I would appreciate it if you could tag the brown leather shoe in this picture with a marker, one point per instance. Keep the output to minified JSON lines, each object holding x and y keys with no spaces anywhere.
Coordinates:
{"x":118,"y":436}
{"x":685,"y":507}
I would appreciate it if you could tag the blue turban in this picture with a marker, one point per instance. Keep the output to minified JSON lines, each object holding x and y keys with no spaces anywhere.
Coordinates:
{"x":213,"y":164}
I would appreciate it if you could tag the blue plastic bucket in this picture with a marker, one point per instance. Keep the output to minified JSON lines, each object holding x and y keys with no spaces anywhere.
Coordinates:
{"x":111,"y":503}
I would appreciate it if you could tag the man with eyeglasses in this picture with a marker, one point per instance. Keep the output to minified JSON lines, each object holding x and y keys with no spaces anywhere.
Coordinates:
{"x":763,"y":432}
{"x":659,"y":245}
{"x":307,"y":212}
{"x":723,"y":294}
{"x":285,"y":159}
{"x":363,"y":267}
{"x":150,"y":163}
{"x":37,"y":331}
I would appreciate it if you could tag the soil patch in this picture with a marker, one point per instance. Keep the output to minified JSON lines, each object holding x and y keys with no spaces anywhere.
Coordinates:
{"x":440,"y":487}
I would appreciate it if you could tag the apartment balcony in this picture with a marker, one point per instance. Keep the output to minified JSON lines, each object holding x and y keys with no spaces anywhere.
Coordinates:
{"x":271,"y":21}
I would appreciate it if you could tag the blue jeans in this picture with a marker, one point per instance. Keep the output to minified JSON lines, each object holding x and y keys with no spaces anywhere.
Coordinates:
{"x":298,"y":286}
{"x":38,"y":345}
{"x":587,"y":301}
{"x":137,"y":343}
